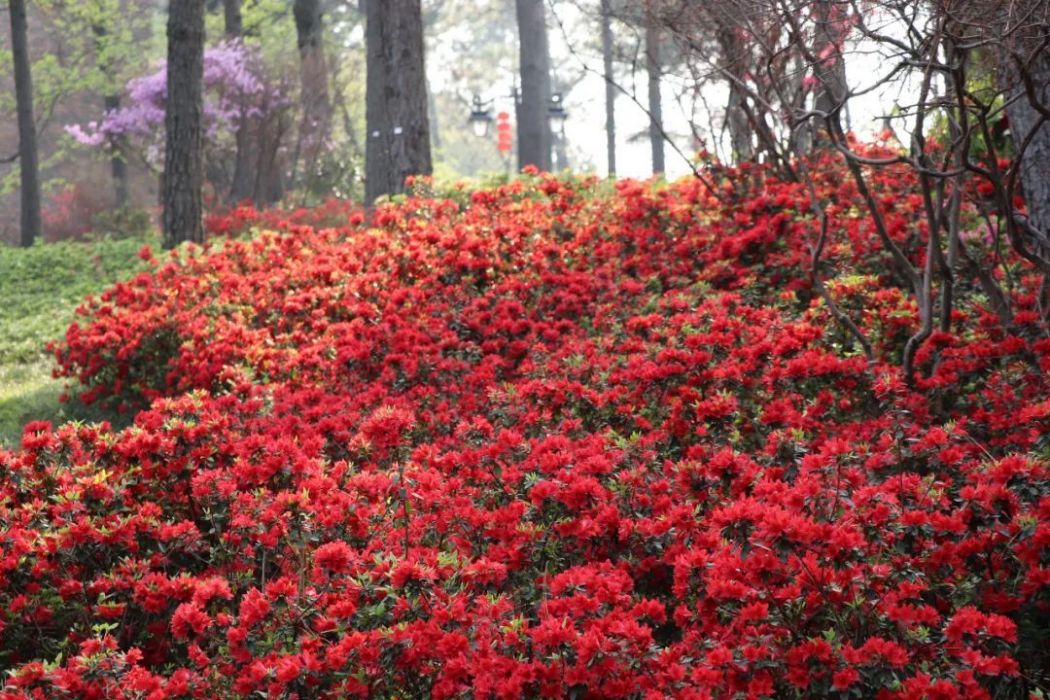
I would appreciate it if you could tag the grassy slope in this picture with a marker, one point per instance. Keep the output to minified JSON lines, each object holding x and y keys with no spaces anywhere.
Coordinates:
{"x":40,"y":288}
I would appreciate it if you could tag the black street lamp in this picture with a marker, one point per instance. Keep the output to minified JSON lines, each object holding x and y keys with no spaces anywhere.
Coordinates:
{"x":480,"y":118}
{"x":556,"y":114}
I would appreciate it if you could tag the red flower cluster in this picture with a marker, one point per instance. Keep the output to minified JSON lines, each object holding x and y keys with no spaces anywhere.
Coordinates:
{"x":543,"y":440}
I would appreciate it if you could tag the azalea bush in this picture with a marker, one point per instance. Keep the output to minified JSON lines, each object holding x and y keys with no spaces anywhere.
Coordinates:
{"x":554,"y":438}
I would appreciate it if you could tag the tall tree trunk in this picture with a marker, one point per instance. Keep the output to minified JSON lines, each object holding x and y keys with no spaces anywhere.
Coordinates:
{"x":534,"y":130}
{"x":1035,"y":162}
{"x":315,"y":127}
{"x":396,"y":100}
{"x":29,"y":168}
{"x":118,"y":167}
{"x":801,"y":140}
{"x":234,"y":22}
{"x":831,"y":71}
{"x":610,"y":88}
{"x":656,"y":111}
{"x":241,"y":183}
{"x":268,"y":185}
{"x":110,"y":103}
{"x":737,"y":122}
{"x":183,"y":155}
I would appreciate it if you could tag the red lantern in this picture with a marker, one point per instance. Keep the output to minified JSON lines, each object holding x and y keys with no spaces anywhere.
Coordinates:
{"x":504,"y":135}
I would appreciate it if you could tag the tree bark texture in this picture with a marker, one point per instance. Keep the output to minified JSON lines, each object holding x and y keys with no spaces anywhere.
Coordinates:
{"x":1035,"y":162}
{"x":234,"y":23}
{"x":534,"y":130}
{"x":831,"y":71}
{"x":242,"y":179}
{"x":29,"y":168}
{"x":737,"y":122}
{"x":268,"y":182}
{"x":111,"y":103}
{"x":396,"y":100}
{"x":118,"y":167}
{"x":183,"y":155}
{"x":315,"y":126}
{"x":610,"y":88}
{"x":656,"y":112}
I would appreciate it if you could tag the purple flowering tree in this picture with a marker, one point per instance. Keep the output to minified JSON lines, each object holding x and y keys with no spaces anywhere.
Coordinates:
{"x":238,"y":95}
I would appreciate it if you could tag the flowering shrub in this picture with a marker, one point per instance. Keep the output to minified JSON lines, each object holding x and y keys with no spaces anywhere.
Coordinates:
{"x":69,"y":212}
{"x":245,"y":217}
{"x":553,"y":442}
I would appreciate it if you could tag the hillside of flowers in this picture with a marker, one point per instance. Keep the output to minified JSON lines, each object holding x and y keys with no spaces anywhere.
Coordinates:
{"x":557,"y":438}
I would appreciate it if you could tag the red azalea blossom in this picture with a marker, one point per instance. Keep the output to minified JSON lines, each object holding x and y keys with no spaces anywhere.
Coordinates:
{"x":547,"y":439}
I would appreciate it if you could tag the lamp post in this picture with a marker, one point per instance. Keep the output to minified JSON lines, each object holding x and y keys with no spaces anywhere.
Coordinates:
{"x":480,"y":117}
{"x":557,"y":116}
{"x":481,"y":120}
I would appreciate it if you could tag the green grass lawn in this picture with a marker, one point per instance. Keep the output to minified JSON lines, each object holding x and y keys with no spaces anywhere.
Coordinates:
{"x":40,"y":287}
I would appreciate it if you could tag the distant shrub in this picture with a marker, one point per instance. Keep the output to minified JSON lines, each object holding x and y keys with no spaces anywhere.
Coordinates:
{"x":69,"y":212}
{"x":126,"y":222}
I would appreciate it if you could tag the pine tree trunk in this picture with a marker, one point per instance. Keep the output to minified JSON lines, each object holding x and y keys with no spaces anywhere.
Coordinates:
{"x":27,"y":152}
{"x":534,"y":131}
{"x":183,"y":155}
{"x":315,"y":127}
{"x":396,"y":100}
{"x":656,"y":112}
{"x":610,"y":88}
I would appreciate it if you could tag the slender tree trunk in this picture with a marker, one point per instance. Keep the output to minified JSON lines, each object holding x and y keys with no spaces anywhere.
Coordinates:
{"x":831,"y":72}
{"x":234,"y":23}
{"x":534,"y":130}
{"x":315,"y":126}
{"x":739,"y":126}
{"x":656,"y":112}
{"x":118,"y":167}
{"x":802,"y":136}
{"x":27,"y":154}
{"x":183,"y":155}
{"x":268,"y":187}
{"x":1024,"y":119}
{"x":241,"y":183}
{"x":110,"y":103}
{"x":396,"y":100}
{"x":736,"y":120}
{"x":610,"y":88}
